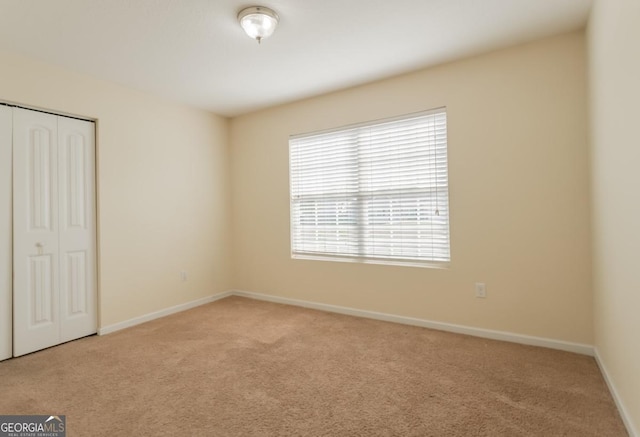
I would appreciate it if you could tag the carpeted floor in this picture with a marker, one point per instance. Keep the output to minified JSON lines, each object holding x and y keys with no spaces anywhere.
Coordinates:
{"x":239,"y":367}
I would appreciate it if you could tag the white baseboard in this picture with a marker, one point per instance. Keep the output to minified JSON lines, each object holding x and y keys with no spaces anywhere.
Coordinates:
{"x":626,"y":417}
{"x":579,"y":348}
{"x":162,"y":313}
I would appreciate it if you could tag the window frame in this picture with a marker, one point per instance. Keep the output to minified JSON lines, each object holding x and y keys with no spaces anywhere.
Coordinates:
{"x":370,"y":259}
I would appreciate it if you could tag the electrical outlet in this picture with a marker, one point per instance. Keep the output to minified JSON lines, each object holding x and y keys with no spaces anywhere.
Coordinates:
{"x":481,"y":290}
{"x":183,"y":276}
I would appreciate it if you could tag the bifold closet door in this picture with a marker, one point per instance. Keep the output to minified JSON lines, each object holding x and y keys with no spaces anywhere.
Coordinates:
{"x":76,"y":196}
{"x":6,"y":251}
{"x":36,"y":296}
{"x":53,"y":230}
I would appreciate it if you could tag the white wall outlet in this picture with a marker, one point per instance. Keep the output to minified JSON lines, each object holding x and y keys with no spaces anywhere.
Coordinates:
{"x":481,"y":290}
{"x":183,"y":276}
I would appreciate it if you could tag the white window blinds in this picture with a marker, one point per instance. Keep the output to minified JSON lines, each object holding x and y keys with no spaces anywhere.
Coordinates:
{"x":376,"y":191}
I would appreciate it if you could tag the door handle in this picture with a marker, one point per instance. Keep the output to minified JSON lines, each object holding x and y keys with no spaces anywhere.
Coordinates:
{"x":40,"y":247}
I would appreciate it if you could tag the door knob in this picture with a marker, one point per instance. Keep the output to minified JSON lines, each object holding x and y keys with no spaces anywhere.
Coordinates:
{"x":40,"y":247}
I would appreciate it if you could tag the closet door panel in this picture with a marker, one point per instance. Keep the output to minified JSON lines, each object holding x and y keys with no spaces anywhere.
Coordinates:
{"x":78,"y":285}
{"x":6,"y":232}
{"x":36,"y":297}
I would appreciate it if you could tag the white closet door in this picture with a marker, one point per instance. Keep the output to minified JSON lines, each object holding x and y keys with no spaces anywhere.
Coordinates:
{"x":35,"y":224}
{"x":6,"y":251}
{"x":54,"y":230}
{"x":76,"y":158}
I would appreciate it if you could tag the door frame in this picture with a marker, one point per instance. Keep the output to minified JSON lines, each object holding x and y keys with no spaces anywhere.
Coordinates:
{"x":6,"y":224}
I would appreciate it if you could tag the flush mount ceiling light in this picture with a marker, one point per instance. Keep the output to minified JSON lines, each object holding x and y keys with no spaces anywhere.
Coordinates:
{"x":258,"y":22}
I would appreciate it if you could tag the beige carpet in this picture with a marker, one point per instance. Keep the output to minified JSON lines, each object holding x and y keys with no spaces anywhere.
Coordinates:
{"x":239,"y":367}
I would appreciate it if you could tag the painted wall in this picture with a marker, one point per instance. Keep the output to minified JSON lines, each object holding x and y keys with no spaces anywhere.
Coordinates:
{"x":163,"y":187}
{"x":518,"y":188}
{"x":614,"y":47}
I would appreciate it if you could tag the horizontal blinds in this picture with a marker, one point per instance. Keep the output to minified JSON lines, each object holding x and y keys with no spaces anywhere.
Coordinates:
{"x":376,"y":191}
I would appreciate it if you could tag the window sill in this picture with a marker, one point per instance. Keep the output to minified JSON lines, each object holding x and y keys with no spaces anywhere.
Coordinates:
{"x":380,"y":261}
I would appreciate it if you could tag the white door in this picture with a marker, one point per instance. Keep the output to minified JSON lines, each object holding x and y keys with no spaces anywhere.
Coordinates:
{"x":6,"y":253}
{"x":53,"y":230}
{"x":76,"y":175}
{"x":36,"y":294}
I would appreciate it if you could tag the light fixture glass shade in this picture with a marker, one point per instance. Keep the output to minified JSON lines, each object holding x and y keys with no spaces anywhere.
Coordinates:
{"x":258,"y":22}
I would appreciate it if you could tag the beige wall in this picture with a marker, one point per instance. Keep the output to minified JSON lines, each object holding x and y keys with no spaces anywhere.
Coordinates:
{"x":162,"y":184}
{"x":518,"y":186}
{"x":614,"y":43}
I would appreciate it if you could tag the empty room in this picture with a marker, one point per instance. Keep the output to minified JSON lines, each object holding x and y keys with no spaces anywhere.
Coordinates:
{"x":319,"y":218}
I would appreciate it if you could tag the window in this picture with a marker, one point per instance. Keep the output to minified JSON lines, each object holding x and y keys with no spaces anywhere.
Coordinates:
{"x":374,"y":192}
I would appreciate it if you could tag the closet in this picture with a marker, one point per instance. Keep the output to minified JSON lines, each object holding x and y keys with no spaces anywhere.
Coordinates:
{"x":48,"y":291}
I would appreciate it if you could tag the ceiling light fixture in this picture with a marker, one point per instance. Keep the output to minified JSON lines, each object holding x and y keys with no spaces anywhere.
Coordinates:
{"x":258,"y":22}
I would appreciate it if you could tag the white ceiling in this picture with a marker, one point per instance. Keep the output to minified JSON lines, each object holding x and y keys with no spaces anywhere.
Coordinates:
{"x":195,"y":52}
